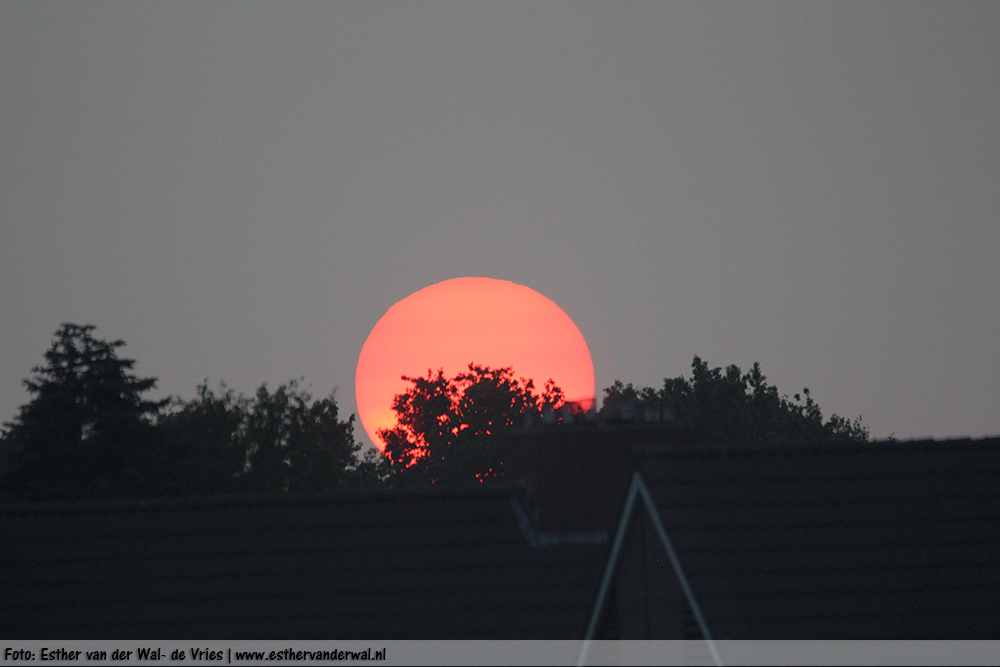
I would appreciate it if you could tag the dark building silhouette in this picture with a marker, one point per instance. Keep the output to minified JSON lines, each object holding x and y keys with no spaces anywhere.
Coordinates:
{"x":577,"y":475}
{"x":392,"y":566}
{"x":884,"y":540}
{"x":606,"y":532}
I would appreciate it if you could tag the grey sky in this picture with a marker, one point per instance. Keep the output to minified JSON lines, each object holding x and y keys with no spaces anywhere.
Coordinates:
{"x":241,"y":190}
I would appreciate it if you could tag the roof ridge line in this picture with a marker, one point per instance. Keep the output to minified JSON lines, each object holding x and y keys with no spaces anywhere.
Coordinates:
{"x":112,"y":505}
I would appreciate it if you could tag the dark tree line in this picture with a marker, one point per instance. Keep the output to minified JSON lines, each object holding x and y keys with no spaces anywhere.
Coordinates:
{"x":88,"y":432}
{"x":729,"y":406}
{"x":448,"y":428}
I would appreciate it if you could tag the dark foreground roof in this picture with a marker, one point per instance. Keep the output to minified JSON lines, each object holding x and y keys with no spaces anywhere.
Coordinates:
{"x":453,"y":565}
{"x":887,"y":540}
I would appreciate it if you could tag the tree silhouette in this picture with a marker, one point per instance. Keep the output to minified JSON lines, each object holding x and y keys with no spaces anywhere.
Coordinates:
{"x":202,"y":436}
{"x":87,"y":432}
{"x":447,"y":428}
{"x":727,"y":405}
{"x":293,"y":443}
{"x":278,"y":441}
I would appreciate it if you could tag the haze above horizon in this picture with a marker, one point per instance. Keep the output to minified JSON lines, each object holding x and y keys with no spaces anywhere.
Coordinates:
{"x":241,"y":191}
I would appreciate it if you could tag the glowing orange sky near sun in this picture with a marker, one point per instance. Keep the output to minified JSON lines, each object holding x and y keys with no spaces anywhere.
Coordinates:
{"x":490,"y":322}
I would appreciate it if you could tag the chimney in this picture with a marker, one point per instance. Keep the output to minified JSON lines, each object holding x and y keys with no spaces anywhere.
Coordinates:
{"x":577,"y":474}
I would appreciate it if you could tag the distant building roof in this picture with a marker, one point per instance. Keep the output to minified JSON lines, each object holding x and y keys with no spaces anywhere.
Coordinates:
{"x":578,"y":474}
{"x":399,"y":565}
{"x":888,"y":540}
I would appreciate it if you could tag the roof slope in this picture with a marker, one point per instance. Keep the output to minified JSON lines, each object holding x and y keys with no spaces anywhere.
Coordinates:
{"x":411,"y":565}
{"x":886,"y":540}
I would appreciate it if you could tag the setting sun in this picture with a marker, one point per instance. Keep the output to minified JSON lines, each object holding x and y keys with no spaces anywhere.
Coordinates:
{"x":449,"y":325}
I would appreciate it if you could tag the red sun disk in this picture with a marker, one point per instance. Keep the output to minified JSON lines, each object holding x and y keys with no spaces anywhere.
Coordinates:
{"x":449,"y":325}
